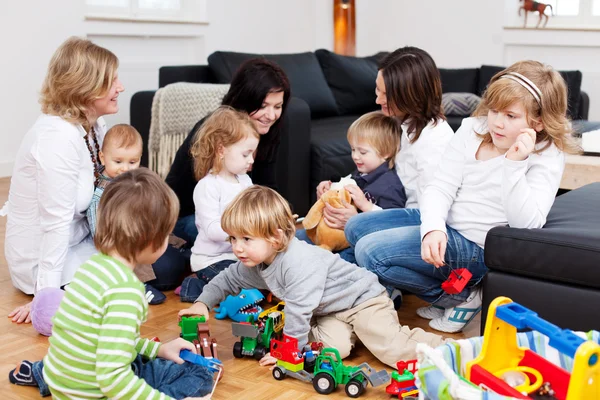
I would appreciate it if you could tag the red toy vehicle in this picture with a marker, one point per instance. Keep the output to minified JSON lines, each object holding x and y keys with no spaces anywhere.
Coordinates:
{"x":403,"y":380}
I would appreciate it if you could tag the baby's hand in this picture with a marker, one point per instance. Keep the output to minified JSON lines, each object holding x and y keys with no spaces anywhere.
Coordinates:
{"x":197,"y":309}
{"x":268,"y":359}
{"x":359,"y":198}
{"x":170,"y":350}
{"x":322,"y":188}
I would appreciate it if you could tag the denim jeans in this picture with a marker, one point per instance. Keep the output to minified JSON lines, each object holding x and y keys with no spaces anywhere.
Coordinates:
{"x":185,"y":228}
{"x":388,"y":243}
{"x":346,"y":254}
{"x":170,"y":268}
{"x":175,"y":380}
{"x":192,"y":286}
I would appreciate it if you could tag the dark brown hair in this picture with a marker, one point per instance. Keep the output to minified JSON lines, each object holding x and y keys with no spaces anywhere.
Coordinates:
{"x":413,"y":87}
{"x":137,"y":210}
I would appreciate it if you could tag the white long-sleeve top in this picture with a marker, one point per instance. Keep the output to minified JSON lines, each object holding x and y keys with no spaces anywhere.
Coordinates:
{"x":51,"y":188}
{"x":474,"y":196}
{"x":416,"y":162}
{"x":212,"y":195}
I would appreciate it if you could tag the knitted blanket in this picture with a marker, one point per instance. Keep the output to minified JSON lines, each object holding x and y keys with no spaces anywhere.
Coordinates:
{"x":176,"y":108}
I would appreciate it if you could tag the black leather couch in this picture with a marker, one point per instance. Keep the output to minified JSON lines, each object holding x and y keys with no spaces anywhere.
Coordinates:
{"x":329,"y":92}
{"x":555,"y":270}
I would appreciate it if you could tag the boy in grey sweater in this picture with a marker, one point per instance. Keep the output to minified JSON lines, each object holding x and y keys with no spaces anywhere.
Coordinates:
{"x":326,"y":298}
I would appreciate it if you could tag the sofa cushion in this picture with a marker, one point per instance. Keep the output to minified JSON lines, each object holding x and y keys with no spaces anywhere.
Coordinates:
{"x":572,"y":78}
{"x":459,"y":80}
{"x":566,"y":249}
{"x":351,"y":79}
{"x":302,"y":69}
{"x":330,"y":154}
{"x":460,"y":104}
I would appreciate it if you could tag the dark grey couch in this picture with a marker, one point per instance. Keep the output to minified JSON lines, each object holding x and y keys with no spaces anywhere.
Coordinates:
{"x":330,"y":91}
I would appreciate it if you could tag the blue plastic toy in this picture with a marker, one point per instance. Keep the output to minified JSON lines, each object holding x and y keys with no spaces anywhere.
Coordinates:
{"x":212,"y":364}
{"x":240,"y":307}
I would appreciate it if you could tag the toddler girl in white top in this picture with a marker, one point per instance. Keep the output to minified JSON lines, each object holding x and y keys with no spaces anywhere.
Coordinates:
{"x":502,"y":167}
{"x":223,"y":151}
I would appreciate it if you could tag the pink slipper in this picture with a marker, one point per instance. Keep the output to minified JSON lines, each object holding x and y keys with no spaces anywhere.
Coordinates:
{"x":178,"y":290}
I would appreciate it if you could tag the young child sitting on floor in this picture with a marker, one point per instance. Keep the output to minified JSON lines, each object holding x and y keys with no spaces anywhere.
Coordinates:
{"x":375,"y":141}
{"x":223,"y":151}
{"x":326,"y":298}
{"x":95,"y":349}
{"x":121,"y":151}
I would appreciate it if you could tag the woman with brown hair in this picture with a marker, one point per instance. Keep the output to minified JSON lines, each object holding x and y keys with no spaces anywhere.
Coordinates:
{"x":47,"y":235}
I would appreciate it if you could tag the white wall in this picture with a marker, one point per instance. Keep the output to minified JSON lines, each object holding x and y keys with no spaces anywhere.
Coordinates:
{"x":28,"y":40}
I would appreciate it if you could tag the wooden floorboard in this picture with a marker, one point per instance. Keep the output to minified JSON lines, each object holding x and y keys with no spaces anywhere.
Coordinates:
{"x":243,"y":379}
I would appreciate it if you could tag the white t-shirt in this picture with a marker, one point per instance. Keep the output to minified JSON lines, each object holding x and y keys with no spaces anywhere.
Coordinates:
{"x":51,"y":188}
{"x":474,"y":196}
{"x":212,"y":194}
{"x":416,"y":162}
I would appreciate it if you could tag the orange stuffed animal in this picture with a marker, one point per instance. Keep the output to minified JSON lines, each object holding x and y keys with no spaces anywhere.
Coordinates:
{"x":316,"y":228}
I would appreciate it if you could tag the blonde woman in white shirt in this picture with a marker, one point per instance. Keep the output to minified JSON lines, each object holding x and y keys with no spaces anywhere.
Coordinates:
{"x":47,"y":235}
{"x":503,"y":167}
{"x":408,"y":86}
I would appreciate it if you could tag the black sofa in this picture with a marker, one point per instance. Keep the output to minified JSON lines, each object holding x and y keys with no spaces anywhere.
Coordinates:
{"x":554,"y":270}
{"x":330,"y":91}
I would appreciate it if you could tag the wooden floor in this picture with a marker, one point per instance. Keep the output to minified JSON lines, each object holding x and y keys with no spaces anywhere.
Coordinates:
{"x":243,"y":379}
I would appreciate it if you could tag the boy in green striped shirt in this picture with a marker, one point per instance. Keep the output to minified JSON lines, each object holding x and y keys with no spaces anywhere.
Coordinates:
{"x":95,"y":348}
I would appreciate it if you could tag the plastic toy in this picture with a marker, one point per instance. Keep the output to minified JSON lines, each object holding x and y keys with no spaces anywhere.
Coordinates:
{"x":196,"y":330}
{"x":255,"y":338}
{"x":457,"y":281}
{"x":214,"y":365}
{"x":44,"y":306}
{"x":240,"y":307}
{"x":329,"y":371}
{"x":189,"y":327}
{"x":403,"y":380}
{"x":509,"y":370}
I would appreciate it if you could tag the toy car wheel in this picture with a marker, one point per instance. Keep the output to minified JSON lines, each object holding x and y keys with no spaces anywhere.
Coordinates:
{"x":278,"y":373}
{"x":323,"y":383}
{"x":237,"y":350}
{"x":354,"y":388}
{"x":260,"y":352}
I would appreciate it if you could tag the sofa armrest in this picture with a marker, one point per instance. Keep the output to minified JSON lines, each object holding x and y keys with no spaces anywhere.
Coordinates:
{"x":184,"y":73}
{"x":140,"y":112}
{"x":584,"y":106}
{"x":293,"y":156}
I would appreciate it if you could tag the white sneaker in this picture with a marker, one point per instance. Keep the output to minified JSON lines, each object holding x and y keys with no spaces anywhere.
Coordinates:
{"x":430,"y":312}
{"x":456,"y":318}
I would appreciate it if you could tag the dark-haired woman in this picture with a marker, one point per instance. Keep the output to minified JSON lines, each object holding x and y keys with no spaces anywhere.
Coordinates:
{"x":261,"y":89}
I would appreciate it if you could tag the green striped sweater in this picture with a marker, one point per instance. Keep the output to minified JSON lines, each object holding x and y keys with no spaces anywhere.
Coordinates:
{"x":96,"y":335}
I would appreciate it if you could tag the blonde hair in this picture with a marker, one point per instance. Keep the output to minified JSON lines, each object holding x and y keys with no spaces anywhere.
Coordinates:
{"x":79,"y":73}
{"x":551,"y":110}
{"x":380,"y":131}
{"x":222,"y":128}
{"x":122,"y":135}
{"x":137,"y":210}
{"x":260,"y":212}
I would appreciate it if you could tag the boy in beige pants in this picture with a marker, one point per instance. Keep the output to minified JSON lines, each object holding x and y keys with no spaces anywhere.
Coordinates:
{"x":320,"y":289}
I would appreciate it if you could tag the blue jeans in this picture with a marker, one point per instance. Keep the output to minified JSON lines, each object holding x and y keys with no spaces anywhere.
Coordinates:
{"x":170,"y":268}
{"x":175,"y":380}
{"x":185,"y":228}
{"x":388,"y":243}
{"x":192,"y":286}
{"x":346,"y":254}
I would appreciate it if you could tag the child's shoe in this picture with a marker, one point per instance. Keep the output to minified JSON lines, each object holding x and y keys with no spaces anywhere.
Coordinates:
{"x":430,"y":312}
{"x":154,"y":296}
{"x":23,"y":375}
{"x":456,"y":318}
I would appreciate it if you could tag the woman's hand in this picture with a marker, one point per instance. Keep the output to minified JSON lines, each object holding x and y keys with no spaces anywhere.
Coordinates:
{"x":523,"y":146}
{"x":336,"y":218}
{"x":21,"y":314}
{"x":433,"y":248}
{"x":322,"y":188}
{"x":170,"y":350}
{"x":359,"y":198}
{"x":198,"y":308}
{"x":268,"y":359}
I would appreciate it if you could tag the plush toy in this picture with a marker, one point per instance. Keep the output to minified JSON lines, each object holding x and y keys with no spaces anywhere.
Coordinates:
{"x":316,"y":228}
{"x":44,"y":306}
